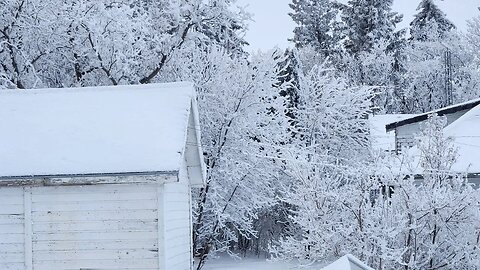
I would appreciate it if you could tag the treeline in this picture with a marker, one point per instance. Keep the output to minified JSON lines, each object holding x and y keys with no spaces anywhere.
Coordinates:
{"x":426,"y":66}
{"x":291,"y":173}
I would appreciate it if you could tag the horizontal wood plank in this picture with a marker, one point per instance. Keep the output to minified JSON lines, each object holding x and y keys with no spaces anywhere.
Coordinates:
{"x":93,"y":189}
{"x":92,"y":236}
{"x":88,"y":226}
{"x":12,"y":257}
{"x":8,"y":200}
{"x":98,"y":244}
{"x":12,"y":266}
{"x":10,"y":228}
{"x":94,"y":205}
{"x":13,"y":238}
{"x":93,"y":196}
{"x":11,"y":209}
{"x":56,"y":216}
{"x":12,"y":219}
{"x":13,"y":248}
{"x":116,"y":264}
{"x":11,"y":192}
{"x":77,"y":255}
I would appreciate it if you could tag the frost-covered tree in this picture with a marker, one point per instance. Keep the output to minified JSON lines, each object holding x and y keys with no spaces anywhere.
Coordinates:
{"x":438,"y":72}
{"x":331,"y":140}
{"x":374,"y":50}
{"x":441,"y":210}
{"x":23,"y":46}
{"x":289,"y":78}
{"x":430,"y":22}
{"x":389,"y":219}
{"x":317,"y":25}
{"x":375,"y":69}
{"x":368,"y":22}
{"x":438,"y":63}
{"x":106,"y":42}
{"x":473,"y":34}
{"x":468,"y":82}
{"x":243,"y":117}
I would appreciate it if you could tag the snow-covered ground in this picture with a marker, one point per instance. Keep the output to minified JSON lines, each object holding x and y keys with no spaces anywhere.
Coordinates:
{"x":253,"y":264}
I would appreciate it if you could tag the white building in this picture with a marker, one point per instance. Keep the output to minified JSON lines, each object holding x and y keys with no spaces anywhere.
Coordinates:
{"x":406,"y":129}
{"x":347,"y":262}
{"x":463,"y":126}
{"x":98,"y":178}
{"x":381,"y":139}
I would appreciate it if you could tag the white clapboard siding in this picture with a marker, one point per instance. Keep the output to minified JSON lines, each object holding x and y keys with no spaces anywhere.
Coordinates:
{"x":177,"y":226}
{"x":95,"y":227}
{"x":12,"y":232}
{"x":96,"y":264}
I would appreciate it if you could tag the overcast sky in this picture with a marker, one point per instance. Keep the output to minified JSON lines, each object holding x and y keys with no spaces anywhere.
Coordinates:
{"x":272,"y":26}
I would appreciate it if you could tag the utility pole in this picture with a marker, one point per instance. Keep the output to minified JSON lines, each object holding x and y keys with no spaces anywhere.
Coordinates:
{"x":448,"y":77}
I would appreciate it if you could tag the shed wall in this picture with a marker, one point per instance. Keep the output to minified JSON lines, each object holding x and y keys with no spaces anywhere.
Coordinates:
{"x":106,"y":226}
{"x":12,"y":240}
{"x":405,"y":135}
{"x":177,"y":218}
{"x":80,"y":227}
{"x":95,"y":227}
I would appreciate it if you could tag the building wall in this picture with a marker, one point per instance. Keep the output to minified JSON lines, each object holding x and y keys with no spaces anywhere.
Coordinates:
{"x":405,"y":135}
{"x":96,"y":227}
{"x":475,"y":180}
{"x":12,"y":240}
{"x":177,"y":220}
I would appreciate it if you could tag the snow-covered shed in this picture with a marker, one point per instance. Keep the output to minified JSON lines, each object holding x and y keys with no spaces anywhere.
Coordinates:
{"x":463,"y":126}
{"x":98,"y":178}
{"x":347,"y":262}
{"x":465,"y":133}
{"x":406,"y":129}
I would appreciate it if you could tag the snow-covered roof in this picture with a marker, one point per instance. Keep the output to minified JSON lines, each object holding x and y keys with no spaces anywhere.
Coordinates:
{"x":440,"y":112}
{"x":347,"y":262}
{"x":466,"y":135}
{"x":465,"y":132}
{"x":95,"y":130}
{"x":381,"y":139}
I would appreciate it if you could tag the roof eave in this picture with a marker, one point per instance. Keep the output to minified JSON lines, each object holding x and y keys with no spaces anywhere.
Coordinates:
{"x":424,"y":116}
{"x":158,"y":177}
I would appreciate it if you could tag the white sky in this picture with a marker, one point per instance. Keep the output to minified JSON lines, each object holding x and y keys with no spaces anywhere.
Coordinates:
{"x":272,"y":26}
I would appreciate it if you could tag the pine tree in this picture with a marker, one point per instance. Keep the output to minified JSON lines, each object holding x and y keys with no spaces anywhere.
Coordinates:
{"x":436,"y":58}
{"x":289,"y":78}
{"x":368,"y":22}
{"x":316,"y":25}
{"x":430,"y":22}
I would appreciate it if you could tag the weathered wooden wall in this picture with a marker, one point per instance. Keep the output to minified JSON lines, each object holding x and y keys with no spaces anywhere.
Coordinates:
{"x":106,"y":226}
{"x":178,"y":234}
{"x":177,"y":227}
{"x":95,"y":227}
{"x":12,"y":238}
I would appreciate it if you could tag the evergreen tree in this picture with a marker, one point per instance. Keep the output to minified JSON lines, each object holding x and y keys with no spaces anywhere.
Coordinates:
{"x":430,"y":22}
{"x":316,"y":24}
{"x":435,"y":74}
{"x":368,"y":22}
{"x":288,"y":77}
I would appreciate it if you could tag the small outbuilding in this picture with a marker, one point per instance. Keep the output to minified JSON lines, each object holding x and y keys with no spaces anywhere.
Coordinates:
{"x":407,"y":128}
{"x":98,"y":178}
{"x":347,"y":262}
{"x":463,"y":127}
